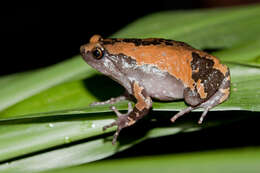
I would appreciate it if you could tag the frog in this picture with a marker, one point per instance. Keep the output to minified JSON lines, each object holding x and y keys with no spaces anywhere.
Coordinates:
{"x":157,"y":69}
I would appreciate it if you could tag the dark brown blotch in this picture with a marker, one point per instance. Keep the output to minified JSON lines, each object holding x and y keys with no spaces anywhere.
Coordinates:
{"x":145,"y":42}
{"x":202,"y":68}
{"x":168,"y":43}
{"x":148,"y":42}
{"x":111,"y":41}
{"x":137,"y":42}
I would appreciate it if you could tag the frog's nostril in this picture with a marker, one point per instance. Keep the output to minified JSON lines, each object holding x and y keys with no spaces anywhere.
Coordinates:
{"x":82,"y":50}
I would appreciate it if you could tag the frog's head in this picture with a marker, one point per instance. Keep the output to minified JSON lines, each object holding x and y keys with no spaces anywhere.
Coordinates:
{"x":96,"y":56}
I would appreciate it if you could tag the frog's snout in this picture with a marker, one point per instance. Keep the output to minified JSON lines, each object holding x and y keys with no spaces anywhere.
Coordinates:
{"x":82,"y":50}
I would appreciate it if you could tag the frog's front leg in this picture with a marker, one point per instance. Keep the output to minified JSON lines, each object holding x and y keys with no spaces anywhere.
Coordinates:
{"x":113,"y":100}
{"x":144,"y":103}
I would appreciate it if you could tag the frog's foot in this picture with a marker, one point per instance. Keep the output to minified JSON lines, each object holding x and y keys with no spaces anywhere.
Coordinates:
{"x":181,"y":113}
{"x":203,"y":115}
{"x":110,"y":101}
{"x":121,"y":122}
{"x":189,"y":109}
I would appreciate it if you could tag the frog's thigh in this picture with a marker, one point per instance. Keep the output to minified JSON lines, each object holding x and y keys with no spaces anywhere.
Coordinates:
{"x":144,"y":102}
{"x":191,"y":97}
{"x":220,"y":96}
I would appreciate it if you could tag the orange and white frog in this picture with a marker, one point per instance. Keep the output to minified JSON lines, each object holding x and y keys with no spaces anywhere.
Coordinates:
{"x":160,"y":69}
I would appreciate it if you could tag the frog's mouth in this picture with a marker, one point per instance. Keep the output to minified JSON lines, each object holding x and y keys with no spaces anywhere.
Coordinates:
{"x":82,"y":50}
{"x":86,"y":55}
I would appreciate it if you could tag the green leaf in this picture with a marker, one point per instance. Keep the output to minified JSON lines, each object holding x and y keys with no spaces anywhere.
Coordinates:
{"x":244,"y":54}
{"x":86,"y":151}
{"x":38,"y":133}
{"x":236,"y":160}
{"x":18,"y":87}
{"x":203,"y":29}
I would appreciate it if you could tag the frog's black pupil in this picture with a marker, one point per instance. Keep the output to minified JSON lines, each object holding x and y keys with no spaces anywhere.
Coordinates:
{"x":96,"y":53}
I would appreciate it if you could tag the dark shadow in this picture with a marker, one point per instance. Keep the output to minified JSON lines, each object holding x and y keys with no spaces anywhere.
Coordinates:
{"x":103,"y":87}
{"x":211,"y":50}
{"x":240,"y":130}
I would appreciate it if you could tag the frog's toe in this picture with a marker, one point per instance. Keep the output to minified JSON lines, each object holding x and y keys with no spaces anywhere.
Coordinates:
{"x":130,"y":109}
{"x":111,"y":100}
{"x":110,"y":125}
{"x":119,"y":128}
{"x":118,"y":114}
{"x":121,"y":122}
{"x":187,"y":110}
{"x":203,"y":115}
{"x":181,"y":113}
{"x":116,"y":135}
{"x":97,"y":103}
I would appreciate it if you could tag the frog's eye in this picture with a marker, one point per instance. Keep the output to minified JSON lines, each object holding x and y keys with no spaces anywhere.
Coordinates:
{"x":97,"y":53}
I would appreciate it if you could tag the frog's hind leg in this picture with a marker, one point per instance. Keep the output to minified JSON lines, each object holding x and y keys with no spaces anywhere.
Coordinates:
{"x":181,"y":113}
{"x":220,"y":96}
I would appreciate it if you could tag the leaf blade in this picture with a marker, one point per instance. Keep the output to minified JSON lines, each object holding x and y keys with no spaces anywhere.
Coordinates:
{"x":237,"y":160}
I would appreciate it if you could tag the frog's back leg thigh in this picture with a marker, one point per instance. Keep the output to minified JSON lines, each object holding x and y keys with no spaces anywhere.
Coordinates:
{"x":220,"y":96}
{"x":194,"y":100}
{"x":191,"y":98}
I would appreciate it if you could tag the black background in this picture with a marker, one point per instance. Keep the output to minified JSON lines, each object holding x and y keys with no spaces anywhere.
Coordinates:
{"x":38,"y":35}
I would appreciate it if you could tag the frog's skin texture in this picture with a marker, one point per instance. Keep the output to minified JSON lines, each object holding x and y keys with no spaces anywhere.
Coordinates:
{"x":160,"y":69}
